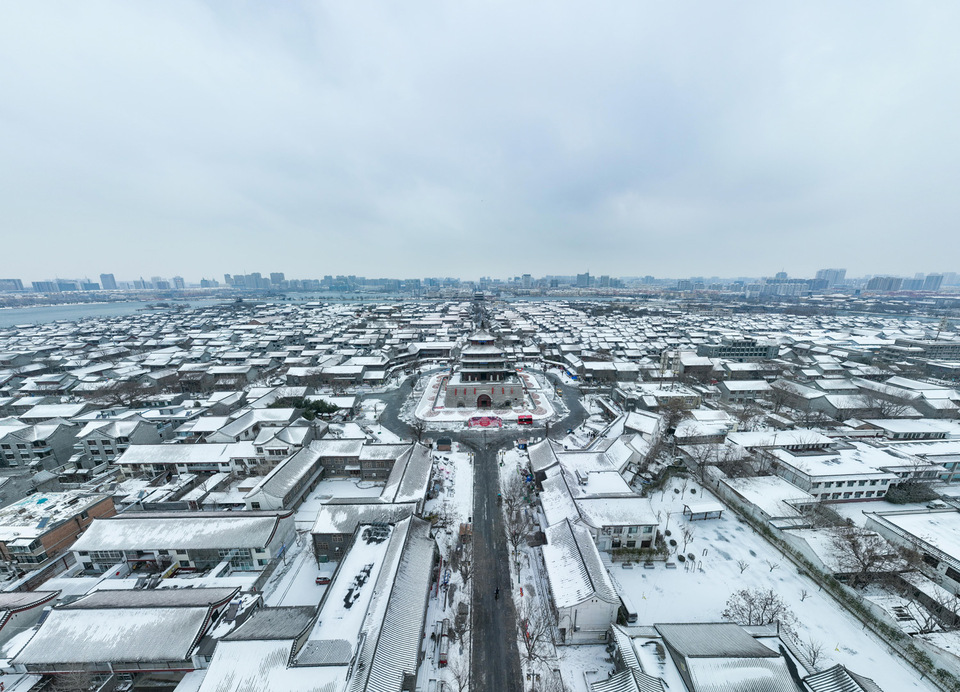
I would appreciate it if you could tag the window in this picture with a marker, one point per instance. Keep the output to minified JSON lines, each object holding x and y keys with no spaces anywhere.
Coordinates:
{"x":846,"y":495}
{"x":84,"y":514}
{"x":106,"y":555}
{"x":648,"y":529}
{"x":323,"y":546}
{"x":631,"y":544}
{"x":338,"y":538}
{"x":255,"y":505}
{"x":632,"y":529}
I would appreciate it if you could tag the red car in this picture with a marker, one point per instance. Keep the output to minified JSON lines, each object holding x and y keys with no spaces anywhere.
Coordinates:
{"x":323,"y":581}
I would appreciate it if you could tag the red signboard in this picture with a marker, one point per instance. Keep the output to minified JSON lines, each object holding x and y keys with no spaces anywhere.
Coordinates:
{"x":485,"y":422}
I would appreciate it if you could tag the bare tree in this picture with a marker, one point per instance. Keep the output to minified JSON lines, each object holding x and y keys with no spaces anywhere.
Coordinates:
{"x":772,"y":565}
{"x":459,"y":672}
{"x":778,"y":397}
{"x":687,"y":533}
{"x":534,"y":626}
{"x":76,"y":681}
{"x":517,"y":528}
{"x":702,"y":455}
{"x":759,"y":607}
{"x":514,"y":493}
{"x":745,"y":414}
{"x":884,"y":405}
{"x":418,"y":427}
{"x":743,"y":565}
{"x":863,"y":553}
{"x":804,"y":595}
{"x":672,"y":410}
{"x":119,"y":393}
{"x":813,"y":650}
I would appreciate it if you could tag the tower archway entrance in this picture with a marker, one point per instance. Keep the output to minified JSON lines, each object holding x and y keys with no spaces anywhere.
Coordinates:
{"x":483,"y":401}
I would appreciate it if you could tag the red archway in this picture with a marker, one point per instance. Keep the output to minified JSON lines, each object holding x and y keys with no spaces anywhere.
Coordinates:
{"x":483,"y":401}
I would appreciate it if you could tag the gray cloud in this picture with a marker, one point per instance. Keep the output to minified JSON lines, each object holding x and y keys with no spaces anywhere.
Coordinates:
{"x":477,"y":138}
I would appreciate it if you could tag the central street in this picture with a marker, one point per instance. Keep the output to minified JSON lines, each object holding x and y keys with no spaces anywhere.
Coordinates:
{"x":495,"y":658}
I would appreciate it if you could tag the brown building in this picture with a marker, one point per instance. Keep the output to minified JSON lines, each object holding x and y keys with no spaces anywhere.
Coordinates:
{"x":43,"y":526}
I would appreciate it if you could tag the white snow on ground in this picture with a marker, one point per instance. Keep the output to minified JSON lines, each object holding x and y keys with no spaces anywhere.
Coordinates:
{"x":663,"y":595}
{"x":295,"y":583}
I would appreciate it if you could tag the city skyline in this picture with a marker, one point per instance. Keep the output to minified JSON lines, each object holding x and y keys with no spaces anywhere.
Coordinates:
{"x":109,"y":281}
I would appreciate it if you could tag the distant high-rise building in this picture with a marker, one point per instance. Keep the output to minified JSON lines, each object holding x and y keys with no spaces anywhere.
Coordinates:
{"x":89,"y":286}
{"x":833,"y":277}
{"x":884,"y":283}
{"x":11,"y":285}
{"x":604,"y":281}
{"x":179,"y":283}
{"x":932,"y":282}
{"x":108,"y":282}
{"x":583,"y":280}
{"x":527,"y":281}
{"x":277,"y":278}
{"x":67,"y":285}
{"x":780,"y":276}
{"x":209,"y":283}
{"x":228,"y":280}
{"x":45,"y":287}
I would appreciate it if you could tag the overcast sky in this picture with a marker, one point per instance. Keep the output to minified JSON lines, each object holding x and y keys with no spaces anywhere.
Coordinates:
{"x":468,"y":139}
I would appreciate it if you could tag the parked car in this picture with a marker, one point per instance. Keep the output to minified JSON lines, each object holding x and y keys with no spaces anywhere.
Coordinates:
{"x":323,"y":581}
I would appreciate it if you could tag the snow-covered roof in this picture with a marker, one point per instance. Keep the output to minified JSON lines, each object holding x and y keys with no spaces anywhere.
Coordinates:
{"x":107,"y":629}
{"x":409,"y":477}
{"x":616,"y":511}
{"x":185,"y":454}
{"x":258,"y":666}
{"x":288,"y":474}
{"x":713,"y":640}
{"x":345,"y":516}
{"x":287,"y":622}
{"x":574,"y":568}
{"x":772,"y":495}
{"x":183,"y":530}
{"x":940,"y":529}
